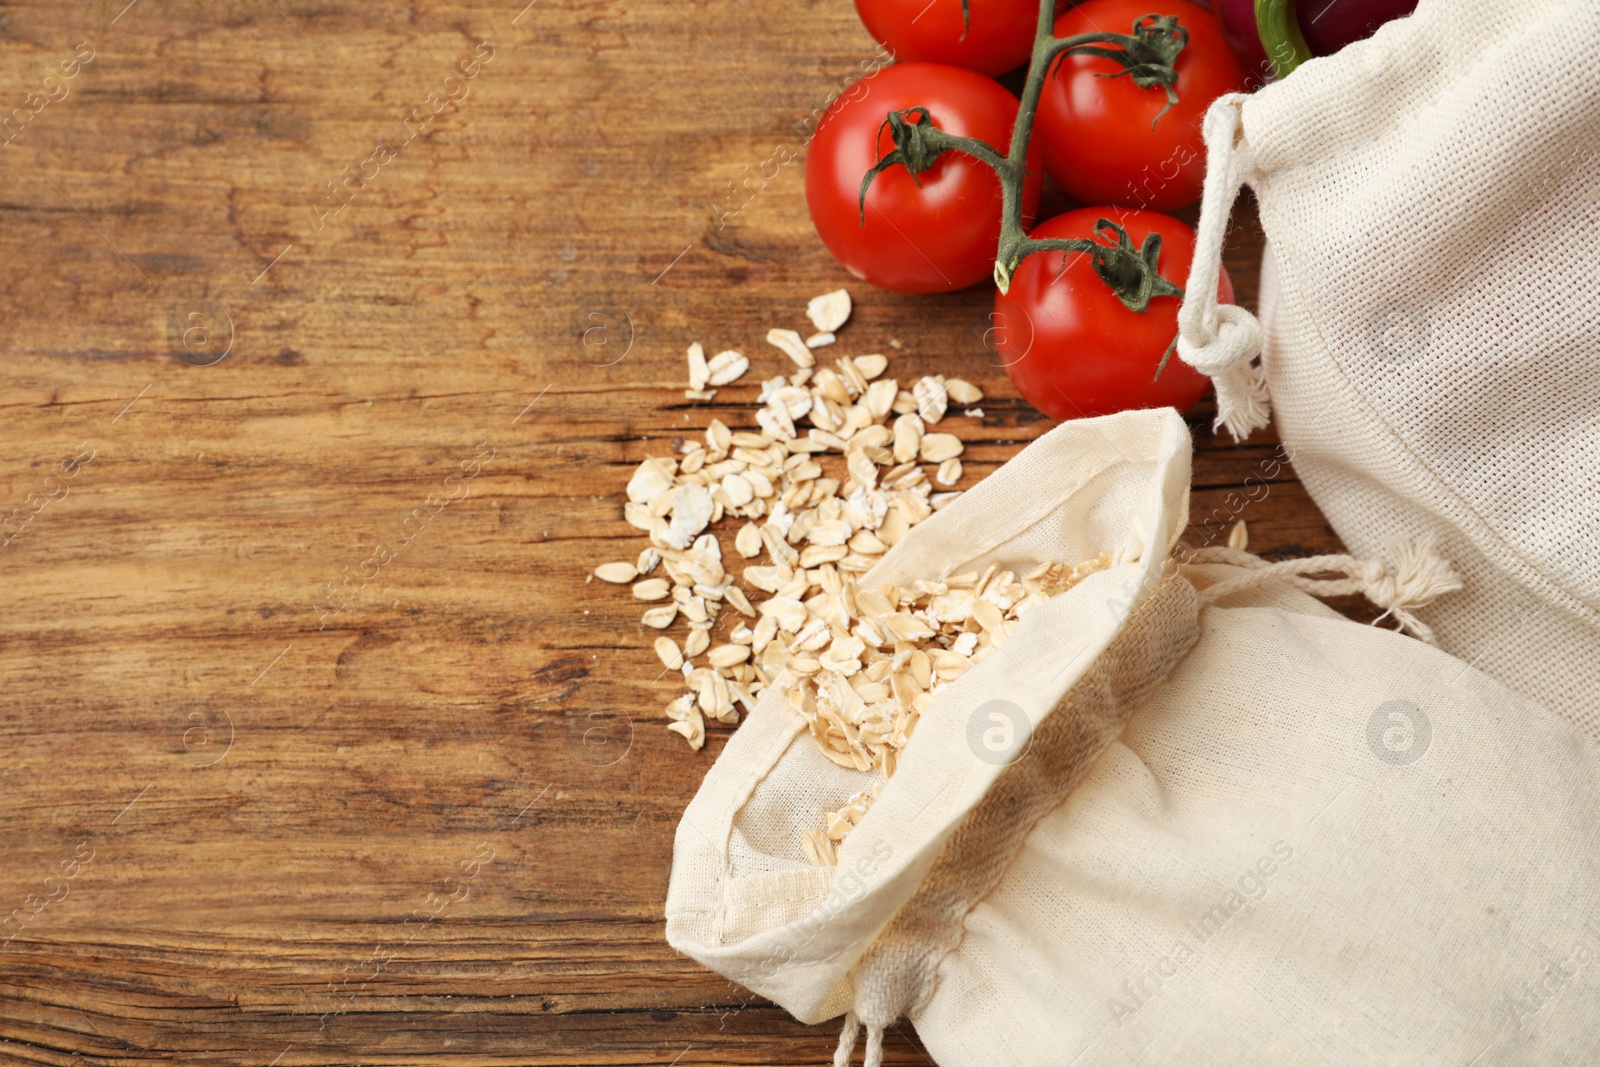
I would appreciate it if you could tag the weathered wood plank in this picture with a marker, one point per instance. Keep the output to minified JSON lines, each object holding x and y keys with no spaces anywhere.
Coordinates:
{"x":269,"y":779}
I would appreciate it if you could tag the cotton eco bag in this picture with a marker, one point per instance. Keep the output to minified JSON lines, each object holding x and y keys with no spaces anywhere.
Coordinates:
{"x":1242,"y":829}
{"x":1430,"y":313}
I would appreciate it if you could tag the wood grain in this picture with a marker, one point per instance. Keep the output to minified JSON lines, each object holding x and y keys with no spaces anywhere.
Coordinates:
{"x":254,"y":787}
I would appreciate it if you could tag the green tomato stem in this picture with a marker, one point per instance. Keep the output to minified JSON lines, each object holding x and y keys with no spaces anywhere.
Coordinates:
{"x":1148,"y":56}
{"x":1280,"y":34}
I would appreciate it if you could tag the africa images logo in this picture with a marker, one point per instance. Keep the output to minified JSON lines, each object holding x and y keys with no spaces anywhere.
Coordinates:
{"x":1532,"y":996}
{"x":1248,"y":889}
{"x":1398,"y":732}
{"x":999,"y":732}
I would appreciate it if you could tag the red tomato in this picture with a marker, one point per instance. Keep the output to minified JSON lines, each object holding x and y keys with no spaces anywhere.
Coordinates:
{"x":1096,"y":132}
{"x":930,"y":234}
{"x":1070,"y":345}
{"x":997,"y":36}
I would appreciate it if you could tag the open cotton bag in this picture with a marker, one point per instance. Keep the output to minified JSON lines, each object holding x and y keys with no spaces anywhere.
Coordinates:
{"x":1430,"y":313}
{"x":1239,"y":829}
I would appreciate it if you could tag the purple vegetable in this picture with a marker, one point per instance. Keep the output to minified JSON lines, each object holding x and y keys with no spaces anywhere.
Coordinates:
{"x":1328,"y":25}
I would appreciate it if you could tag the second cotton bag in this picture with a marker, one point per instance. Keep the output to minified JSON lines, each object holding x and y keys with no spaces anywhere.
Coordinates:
{"x":1185,"y":814}
{"x":1430,"y":313}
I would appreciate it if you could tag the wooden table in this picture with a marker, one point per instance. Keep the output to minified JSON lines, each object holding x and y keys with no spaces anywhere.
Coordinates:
{"x":227,"y":793}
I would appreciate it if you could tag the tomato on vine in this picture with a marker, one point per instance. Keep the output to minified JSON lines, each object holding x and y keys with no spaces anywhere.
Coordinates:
{"x":1087,"y":308}
{"x":1068,"y":331}
{"x":931,"y":225}
{"x":988,"y":36}
{"x":1107,"y":140}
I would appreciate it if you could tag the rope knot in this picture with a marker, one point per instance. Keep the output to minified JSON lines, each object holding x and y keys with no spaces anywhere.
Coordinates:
{"x":1214,"y":350}
{"x":1416,"y":578}
{"x":1225,"y":354}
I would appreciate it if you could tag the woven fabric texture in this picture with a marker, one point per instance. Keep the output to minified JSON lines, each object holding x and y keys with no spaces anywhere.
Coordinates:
{"x":1315,"y":843}
{"x":1430,"y":314}
{"x":742,"y":900}
{"x":1248,"y":831}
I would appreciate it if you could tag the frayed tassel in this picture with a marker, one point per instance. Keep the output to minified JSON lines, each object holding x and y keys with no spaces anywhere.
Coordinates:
{"x":1417,"y":577}
{"x":1243,"y":403}
{"x":1227,"y":355}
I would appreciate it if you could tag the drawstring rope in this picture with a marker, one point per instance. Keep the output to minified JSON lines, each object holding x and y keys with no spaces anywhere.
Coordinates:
{"x":1413,"y":579}
{"x":1221,"y":341}
{"x":1417,"y":577}
{"x":847,"y":1043}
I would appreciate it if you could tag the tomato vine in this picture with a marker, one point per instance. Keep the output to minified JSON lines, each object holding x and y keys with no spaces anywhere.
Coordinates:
{"x":1147,"y":56}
